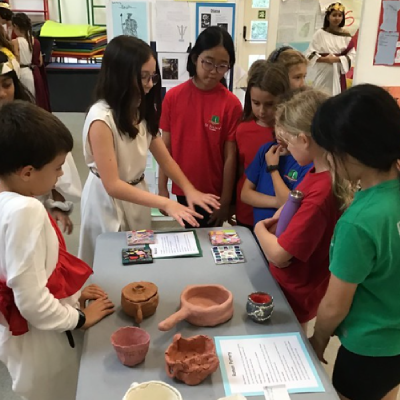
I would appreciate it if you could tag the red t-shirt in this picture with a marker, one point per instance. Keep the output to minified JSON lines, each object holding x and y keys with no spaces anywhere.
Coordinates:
{"x":307,"y":239}
{"x":249,"y":138}
{"x":200,"y":122}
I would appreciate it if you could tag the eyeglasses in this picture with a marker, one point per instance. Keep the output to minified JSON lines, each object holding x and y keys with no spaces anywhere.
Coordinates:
{"x":209,"y":66}
{"x":154,"y":78}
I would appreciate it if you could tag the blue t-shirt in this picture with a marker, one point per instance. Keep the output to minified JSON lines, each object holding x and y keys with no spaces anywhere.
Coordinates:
{"x":291,"y":173}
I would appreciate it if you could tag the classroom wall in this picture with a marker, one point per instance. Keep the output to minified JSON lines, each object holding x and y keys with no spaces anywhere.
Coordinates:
{"x":365,"y":71}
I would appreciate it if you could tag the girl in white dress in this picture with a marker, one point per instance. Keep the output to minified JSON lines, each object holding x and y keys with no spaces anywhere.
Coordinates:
{"x":120,"y":129}
{"x":331,"y":53}
{"x":40,"y":282}
{"x":23,"y":48}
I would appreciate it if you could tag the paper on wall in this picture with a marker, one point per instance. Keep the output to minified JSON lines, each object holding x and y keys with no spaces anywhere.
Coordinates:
{"x":215,"y":15}
{"x":172,"y":26}
{"x":173,"y":68}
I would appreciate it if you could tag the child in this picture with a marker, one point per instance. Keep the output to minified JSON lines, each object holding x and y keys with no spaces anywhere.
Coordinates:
{"x":40,"y":281}
{"x":199,"y":121}
{"x":299,"y":259}
{"x":272,"y":174}
{"x":295,"y":63}
{"x":23,"y":48}
{"x":265,"y":84}
{"x":119,"y":130}
{"x":69,"y":185}
{"x":361,"y":304}
{"x":331,"y":52}
{"x":5,"y":19}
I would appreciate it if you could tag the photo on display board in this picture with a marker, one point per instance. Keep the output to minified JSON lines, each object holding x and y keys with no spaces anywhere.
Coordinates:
{"x":170,"y":68}
{"x":223,"y":26}
{"x":205,"y":20}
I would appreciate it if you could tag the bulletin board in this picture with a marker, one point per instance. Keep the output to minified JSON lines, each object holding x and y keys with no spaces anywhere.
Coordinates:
{"x":387,"y":51}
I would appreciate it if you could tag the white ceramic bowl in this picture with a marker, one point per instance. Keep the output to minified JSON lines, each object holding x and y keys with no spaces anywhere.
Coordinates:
{"x":152,"y":390}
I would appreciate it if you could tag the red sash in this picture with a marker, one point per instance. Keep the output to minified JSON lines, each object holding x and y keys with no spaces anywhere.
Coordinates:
{"x":68,"y":277}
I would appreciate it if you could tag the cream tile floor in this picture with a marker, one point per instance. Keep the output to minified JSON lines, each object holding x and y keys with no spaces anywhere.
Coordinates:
{"x":75,"y":123}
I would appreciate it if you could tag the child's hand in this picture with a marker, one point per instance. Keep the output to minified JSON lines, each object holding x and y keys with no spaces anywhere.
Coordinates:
{"x":62,"y":218}
{"x":272,"y":155}
{"x":181,"y":213}
{"x":203,"y":200}
{"x":91,"y":292}
{"x":218,"y":217}
{"x":96,"y":311}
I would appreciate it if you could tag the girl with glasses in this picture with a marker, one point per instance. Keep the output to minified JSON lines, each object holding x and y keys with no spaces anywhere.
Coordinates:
{"x":199,"y":120}
{"x":120,"y":128}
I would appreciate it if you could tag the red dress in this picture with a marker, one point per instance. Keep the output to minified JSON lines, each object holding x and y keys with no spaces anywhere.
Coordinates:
{"x":40,"y":79}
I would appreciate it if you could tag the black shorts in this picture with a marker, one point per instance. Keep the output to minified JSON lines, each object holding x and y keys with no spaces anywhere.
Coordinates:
{"x":365,"y":378}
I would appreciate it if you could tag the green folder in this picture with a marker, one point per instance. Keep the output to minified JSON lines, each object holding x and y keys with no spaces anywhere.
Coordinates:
{"x":57,"y":30}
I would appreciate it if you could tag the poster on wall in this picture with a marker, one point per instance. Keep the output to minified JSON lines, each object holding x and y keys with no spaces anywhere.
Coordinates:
{"x":387,"y":50}
{"x":216,"y":14}
{"x":173,"y":26}
{"x":173,"y":68}
{"x":129,"y":18}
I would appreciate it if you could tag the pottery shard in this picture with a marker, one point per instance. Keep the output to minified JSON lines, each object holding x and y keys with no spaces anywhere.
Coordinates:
{"x":191,"y":360}
{"x":139,"y":300}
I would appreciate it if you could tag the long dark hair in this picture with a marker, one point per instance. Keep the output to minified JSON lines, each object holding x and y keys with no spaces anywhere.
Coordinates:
{"x":4,"y":42}
{"x":23,"y":22}
{"x":328,"y":13}
{"x":120,"y":85}
{"x":211,"y":37}
{"x":20,"y":91}
{"x":268,"y":77}
{"x":340,"y":126}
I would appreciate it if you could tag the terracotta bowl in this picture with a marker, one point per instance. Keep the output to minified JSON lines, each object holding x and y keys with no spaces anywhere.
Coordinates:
{"x":191,"y":360}
{"x":260,"y":306}
{"x":131,"y":345}
{"x":153,"y":390}
{"x":202,"y":305}
{"x":139,"y":300}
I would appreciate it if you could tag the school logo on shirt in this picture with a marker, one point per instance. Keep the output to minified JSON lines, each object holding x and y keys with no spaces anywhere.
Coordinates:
{"x":214,"y":124}
{"x":293,"y":175}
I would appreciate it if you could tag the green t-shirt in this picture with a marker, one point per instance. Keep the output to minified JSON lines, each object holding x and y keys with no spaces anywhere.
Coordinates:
{"x":366,"y":250}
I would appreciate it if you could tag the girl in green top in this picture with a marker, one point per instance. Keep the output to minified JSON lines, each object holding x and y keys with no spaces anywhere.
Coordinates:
{"x":360,"y":129}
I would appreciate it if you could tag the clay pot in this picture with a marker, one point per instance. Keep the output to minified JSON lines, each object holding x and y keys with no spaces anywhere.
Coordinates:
{"x":202,"y":305}
{"x":260,"y":306}
{"x":131,"y":345}
{"x":139,"y":300}
{"x":153,"y":390}
{"x":191,"y":360}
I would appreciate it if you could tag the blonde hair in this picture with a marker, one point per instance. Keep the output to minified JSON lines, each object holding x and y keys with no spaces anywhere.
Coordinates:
{"x":295,"y":117}
{"x":288,"y":57}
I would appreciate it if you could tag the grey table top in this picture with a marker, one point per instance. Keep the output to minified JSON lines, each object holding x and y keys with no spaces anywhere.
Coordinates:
{"x":103,"y":377}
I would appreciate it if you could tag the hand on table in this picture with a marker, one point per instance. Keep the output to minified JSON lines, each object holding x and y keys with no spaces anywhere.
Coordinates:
{"x":96,"y":311}
{"x":219,"y":216}
{"x":319,"y":345}
{"x":181,"y":213}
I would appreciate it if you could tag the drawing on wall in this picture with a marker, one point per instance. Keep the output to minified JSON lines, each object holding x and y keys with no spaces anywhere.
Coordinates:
{"x":259,"y":30}
{"x":170,"y":68}
{"x":205,"y":20}
{"x":129,"y":27}
{"x":260,"y":4}
{"x":182,"y":30}
{"x":130,"y":18}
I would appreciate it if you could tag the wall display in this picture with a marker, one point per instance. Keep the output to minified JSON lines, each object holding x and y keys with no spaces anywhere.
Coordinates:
{"x":260,"y":4}
{"x":129,"y":18}
{"x":222,"y":15}
{"x":259,"y":30}
{"x":172,"y":26}
{"x":173,"y":68}
{"x":387,"y":46}
{"x":262,"y":14}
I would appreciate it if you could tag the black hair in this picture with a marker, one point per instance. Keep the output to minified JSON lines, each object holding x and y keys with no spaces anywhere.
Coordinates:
{"x":326,"y":19}
{"x":5,"y":13}
{"x":120,"y":85}
{"x":30,"y":136}
{"x":363,"y":122}
{"x":211,"y":37}
{"x":23,"y":22}
{"x":274,"y":56}
{"x":20,"y":91}
{"x":269,"y":77}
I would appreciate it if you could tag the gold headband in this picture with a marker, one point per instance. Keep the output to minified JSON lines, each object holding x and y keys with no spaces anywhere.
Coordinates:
{"x":5,"y":5}
{"x":335,"y":7}
{"x":6,"y":67}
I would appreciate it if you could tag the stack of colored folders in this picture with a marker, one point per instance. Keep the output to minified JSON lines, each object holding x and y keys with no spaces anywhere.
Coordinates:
{"x":76,"y":41}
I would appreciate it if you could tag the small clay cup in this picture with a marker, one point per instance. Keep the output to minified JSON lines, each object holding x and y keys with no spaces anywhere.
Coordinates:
{"x":260,"y":306}
{"x":139,"y":300}
{"x":131,"y":345}
{"x":191,"y":360}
